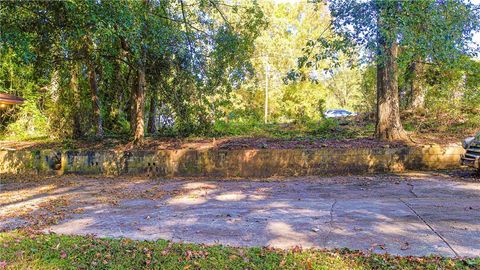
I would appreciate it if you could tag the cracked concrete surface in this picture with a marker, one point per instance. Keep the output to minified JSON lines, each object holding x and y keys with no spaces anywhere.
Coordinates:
{"x":415,"y":214}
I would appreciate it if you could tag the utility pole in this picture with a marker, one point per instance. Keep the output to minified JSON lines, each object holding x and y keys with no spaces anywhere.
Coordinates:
{"x":267,"y":73}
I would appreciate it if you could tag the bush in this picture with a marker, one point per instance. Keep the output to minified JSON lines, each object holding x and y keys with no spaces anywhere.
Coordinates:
{"x":325,"y":127}
{"x":30,"y":123}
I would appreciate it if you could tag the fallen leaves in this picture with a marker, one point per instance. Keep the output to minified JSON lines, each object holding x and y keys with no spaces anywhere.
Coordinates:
{"x":405,"y":246}
{"x":90,"y":252}
{"x":195,"y":254}
{"x":47,"y":202}
{"x":297,"y":249}
{"x":47,"y":213}
{"x":374,"y":246}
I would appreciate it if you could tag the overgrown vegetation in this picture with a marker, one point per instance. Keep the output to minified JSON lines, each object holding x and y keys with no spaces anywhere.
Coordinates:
{"x":324,"y":129}
{"x":91,"y":69}
{"x":49,"y":251}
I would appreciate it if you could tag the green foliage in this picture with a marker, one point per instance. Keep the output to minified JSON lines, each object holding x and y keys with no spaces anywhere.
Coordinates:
{"x":290,"y":25}
{"x":438,"y":30}
{"x":30,"y":123}
{"x":192,"y":53}
{"x":301,"y":102}
{"x":252,"y":128}
{"x":453,"y":98}
{"x":323,"y":129}
{"x":368,"y":90}
{"x":206,"y":62}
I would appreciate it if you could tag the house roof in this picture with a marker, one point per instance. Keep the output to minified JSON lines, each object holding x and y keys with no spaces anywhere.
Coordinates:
{"x":10,"y":99}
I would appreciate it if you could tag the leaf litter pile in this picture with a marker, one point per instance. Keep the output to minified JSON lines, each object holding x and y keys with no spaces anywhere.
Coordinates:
{"x":47,"y":201}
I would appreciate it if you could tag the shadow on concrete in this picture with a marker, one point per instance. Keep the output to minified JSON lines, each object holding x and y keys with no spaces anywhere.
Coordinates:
{"x":399,"y":214}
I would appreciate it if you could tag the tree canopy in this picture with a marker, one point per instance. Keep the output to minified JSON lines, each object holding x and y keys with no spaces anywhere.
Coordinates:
{"x":159,"y":67}
{"x":176,"y":53}
{"x":390,"y":33}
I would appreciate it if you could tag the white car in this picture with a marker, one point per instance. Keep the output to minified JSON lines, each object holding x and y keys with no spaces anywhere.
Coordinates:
{"x":338,"y":113}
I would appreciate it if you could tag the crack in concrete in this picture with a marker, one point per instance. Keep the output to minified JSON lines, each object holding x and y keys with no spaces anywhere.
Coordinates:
{"x":331,"y":212}
{"x":412,"y":186}
{"x":330,"y":222}
{"x":431,"y":228}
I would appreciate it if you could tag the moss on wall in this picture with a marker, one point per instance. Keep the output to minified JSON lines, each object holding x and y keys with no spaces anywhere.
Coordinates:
{"x":231,"y":163}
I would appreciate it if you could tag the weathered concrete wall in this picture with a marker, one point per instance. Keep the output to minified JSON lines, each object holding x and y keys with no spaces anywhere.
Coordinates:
{"x":231,"y":163}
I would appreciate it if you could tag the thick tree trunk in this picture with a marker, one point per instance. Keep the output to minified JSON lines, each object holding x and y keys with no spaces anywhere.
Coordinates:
{"x":138,"y":107}
{"x":120,"y":81}
{"x":133,"y":98}
{"x":139,"y":90}
{"x":388,"y":125}
{"x":152,"y":126}
{"x":417,"y":94}
{"x":97,"y":116}
{"x":138,"y":127}
{"x":92,"y":82}
{"x":77,"y":130}
{"x":138,"y":95}
{"x":117,"y":88}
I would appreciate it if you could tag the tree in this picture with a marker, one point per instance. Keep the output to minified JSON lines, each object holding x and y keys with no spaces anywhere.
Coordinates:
{"x":381,"y":27}
{"x":94,"y":92}
{"x":118,"y":50}
{"x":416,"y":81}
{"x":77,"y":129}
{"x":344,"y":86}
{"x":388,"y":126}
{"x":278,"y":46}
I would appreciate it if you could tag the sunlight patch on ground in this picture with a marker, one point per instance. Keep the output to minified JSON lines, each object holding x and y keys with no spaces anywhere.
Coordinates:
{"x":285,"y":235}
{"x":231,"y":196}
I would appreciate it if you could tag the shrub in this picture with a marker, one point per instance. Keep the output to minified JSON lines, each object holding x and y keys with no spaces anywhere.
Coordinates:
{"x":30,"y":123}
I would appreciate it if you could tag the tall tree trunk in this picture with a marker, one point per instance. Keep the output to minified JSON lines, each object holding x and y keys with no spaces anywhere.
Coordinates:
{"x":92,"y":80}
{"x":120,"y":80}
{"x":77,"y":130}
{"x":388,"y":124}
{"x":152,"y":126}
{"x":117,"y":86}
{"x":133,"y":98}
{"x":417,"y":87}
{"x":138,"y":94}
{"x":55,"y":85}
{"x":139,"y":101}
{"x":138,"y":107}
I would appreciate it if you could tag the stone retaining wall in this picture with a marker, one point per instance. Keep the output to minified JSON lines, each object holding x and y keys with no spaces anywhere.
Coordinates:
{"x":231,"y":163}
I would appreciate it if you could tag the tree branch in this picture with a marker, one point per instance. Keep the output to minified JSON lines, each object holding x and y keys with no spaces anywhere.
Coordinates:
{"x":221,"y":13}
{"x":187,"y":32}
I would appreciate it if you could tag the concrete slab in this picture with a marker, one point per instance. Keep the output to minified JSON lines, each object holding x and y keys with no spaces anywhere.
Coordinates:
{"x":398,"y":214}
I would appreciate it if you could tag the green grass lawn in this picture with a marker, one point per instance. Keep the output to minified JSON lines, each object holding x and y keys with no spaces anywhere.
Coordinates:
{"x":22,"y":250}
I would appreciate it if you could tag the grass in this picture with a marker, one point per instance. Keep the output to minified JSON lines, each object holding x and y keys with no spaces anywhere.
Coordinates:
{"x":323,"y":129}
{"x":23,"y":250}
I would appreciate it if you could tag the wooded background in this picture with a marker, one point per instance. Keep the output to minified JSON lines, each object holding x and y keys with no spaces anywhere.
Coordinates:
{"x":90,"y":69}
